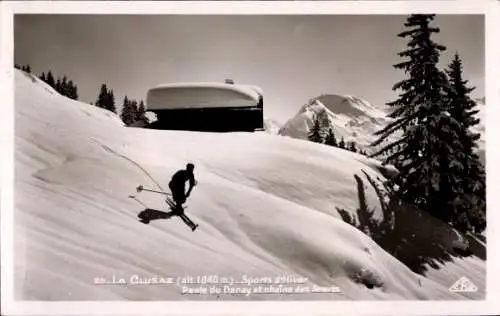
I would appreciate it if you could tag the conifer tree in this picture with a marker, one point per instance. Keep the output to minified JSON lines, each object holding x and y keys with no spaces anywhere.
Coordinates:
{"x":324,"y":121}
{"x":50,"y":79}
{"x":330,"y":138}
{"x":127,"y":112}
{"x":461,"y":106}
{"x":111,"y":101}
{"x":342,"y":143}
{"x":315,"y":134}
{"x":141,"y":114}
{"x":134,"y":110}
{"x":73,"y":92}
{"x":426,"y":154}
{"x":42,"y":77}
{"x":58,"y":85}
{"x":64,"y":87}
{"x":472,"y":200}
{"x":352,"y":147}
{"x":102,"y":101}
{"x":106,"y":99}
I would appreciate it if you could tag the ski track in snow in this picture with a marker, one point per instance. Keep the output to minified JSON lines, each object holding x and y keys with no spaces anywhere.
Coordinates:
{"x":266,"y":206}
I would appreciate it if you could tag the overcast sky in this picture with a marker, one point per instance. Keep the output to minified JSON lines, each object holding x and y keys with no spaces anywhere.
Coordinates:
{"x":292,"y":58}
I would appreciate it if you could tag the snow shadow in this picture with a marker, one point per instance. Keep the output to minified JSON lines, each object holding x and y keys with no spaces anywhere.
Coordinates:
{"x":150,"y":214}
{"x":415,"y":238}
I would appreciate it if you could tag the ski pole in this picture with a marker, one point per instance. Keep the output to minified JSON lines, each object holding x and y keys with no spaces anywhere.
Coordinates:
{"x":139,"y":201}
{"x":141,"y":188}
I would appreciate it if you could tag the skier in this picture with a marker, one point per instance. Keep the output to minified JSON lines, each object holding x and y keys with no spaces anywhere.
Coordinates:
{"x":178,"y":185}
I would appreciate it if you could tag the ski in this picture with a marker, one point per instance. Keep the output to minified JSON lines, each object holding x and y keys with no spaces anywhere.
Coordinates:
{"x":188,"y":222}
{"x":176,"y":210}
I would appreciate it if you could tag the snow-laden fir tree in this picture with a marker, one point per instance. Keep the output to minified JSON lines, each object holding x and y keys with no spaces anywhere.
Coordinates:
{"x":141,"y":115}
{"x":463,"y":108}
{"x":330,"y":138}
{"x":106,"y":99}
{"x":127,"y":114}
{"x":315,"y":133}
{"x":426,"y":153}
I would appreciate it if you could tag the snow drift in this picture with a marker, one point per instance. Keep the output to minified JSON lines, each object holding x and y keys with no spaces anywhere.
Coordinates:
{"x":266,"y":206}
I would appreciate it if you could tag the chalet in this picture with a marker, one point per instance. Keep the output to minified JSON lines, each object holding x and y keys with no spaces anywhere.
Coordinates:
{"x":209,"y":107}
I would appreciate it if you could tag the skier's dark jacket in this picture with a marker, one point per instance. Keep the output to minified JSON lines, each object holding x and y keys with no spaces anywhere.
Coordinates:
{"x":177,"y":185}
{"x":180,"y":177}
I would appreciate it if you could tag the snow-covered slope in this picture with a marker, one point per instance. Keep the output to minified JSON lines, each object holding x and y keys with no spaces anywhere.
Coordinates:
{"x":353,"y":119}
{"x":266,"y":207}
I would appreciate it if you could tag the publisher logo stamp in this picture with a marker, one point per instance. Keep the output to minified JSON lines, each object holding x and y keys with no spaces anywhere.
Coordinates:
{"x":463,"y":285}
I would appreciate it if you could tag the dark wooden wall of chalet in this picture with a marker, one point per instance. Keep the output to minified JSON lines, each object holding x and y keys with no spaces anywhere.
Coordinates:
{"x":210,"y":119}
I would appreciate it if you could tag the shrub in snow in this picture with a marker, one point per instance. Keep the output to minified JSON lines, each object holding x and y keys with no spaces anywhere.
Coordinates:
{"x":404,"y":231}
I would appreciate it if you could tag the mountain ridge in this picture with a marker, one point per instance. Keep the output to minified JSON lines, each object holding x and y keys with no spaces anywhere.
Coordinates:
{"x":355,"y":120}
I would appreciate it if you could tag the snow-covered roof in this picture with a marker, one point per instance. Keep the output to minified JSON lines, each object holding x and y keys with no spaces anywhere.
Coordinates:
{"x":202,"y":95}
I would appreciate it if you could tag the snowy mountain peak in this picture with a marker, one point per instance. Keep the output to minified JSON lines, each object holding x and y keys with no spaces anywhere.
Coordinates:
{"x":349,"y":105}
{"x":355,"y":120}
{"x":350,"y":117}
